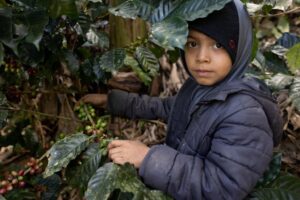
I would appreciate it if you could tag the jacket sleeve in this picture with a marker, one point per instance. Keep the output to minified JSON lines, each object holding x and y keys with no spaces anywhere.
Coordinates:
{"x":240,"y":152}
{"x":134,"y":106}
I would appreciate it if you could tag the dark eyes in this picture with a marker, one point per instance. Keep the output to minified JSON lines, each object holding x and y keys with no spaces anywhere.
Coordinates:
{"x":218,"y":46}
{"x":191,"y":44}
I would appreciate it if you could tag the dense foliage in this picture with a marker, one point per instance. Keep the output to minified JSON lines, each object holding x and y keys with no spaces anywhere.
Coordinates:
{"x":52,"y":52}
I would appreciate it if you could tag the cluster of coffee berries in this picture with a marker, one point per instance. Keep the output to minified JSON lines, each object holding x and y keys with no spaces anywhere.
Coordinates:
{"x":33,"y":166}
{"x":138,"y":42}
{"x":12,"y":66}
{"x":15,"y":179}
{"x":99,"y":128}
{"x":85,"y":110}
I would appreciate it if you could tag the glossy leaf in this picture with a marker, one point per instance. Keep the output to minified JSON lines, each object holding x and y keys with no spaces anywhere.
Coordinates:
{"x":112,"y":60}
{"x":90,"y":160}
{"x":164,"y":9}
{"x":288,"y":40}
{"x":145,"y":10}
{"x":20,"y":194}
{"x":6,"y":28}
{"x":170,"y":33}
{"x":193,"y":9}
{"x":96,"y":39}
{"x":279,"y":50}
{"x":295,"y":92}
{"x":283,"y":4}
{"x":134,"y":65}
{"x":147,"y":60}
{"x":72,"y":60}
{"x":280,"y":81}
{"x":293,"y":58}
{"x":65,"y":150}
{"x":35,"y":22}
{"x":51,"y":187}
{"x":285,"y":187}
{"x":128,"y":9}
{"x":58,"y":8}
{"x":275,"y":64}
{"x":111,"y":177}
{"x":272,"y":172}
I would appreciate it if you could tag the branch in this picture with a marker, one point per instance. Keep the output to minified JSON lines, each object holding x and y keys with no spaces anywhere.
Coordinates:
{"x":292,"y":11}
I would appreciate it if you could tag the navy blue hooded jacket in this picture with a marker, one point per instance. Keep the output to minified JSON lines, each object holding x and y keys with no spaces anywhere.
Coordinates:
{"x":219,"y":144}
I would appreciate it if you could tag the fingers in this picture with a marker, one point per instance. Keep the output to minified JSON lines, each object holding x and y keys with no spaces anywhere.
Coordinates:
{"x":117,"y":152}
{"x":116,"y":143}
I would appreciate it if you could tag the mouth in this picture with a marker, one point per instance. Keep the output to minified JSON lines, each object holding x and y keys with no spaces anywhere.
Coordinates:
{"x":203,"y":73}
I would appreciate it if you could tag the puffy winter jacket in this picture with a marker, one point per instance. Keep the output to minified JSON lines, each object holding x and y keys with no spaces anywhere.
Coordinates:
{"x":222,"y":149}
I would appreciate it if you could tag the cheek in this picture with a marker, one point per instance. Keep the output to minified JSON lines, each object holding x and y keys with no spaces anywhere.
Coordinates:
{"x":188,"y":58}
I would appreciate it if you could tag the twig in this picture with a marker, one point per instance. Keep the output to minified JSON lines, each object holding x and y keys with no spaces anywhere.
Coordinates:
{"x":292,"y":11}
{"x":7,"y":161}
{"x":39,"y":113}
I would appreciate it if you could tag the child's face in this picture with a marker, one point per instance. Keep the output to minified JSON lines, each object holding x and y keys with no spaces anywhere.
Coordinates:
{"x":207,"y":61}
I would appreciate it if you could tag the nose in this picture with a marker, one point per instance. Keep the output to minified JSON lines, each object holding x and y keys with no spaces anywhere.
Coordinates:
{"x":203,"y":55}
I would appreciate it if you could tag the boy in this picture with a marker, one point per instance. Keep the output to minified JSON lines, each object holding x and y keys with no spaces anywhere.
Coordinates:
{"x":221,"y":126}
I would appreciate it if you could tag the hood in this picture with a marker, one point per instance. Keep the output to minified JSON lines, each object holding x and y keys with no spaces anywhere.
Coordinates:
{"x":244,"y":48}
{"x":236,"y":82}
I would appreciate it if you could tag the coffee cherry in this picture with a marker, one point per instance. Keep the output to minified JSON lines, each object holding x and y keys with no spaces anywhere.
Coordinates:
{"x":21,"y":172}
{"x":9,"y":187}
{"x":3,"y":191}
{"x":21,"y":184}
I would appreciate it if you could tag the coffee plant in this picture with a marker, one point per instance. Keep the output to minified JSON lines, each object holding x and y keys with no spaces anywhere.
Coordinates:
{"x":53,"y":52}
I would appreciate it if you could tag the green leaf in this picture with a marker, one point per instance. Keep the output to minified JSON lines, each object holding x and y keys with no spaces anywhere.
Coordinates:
{"x":285,"y":187}
{"x":134,"y":65}
{"x":283,"y":4}
{"x":96,"y":39}
{"x":3,"y":112}
{"x":293,"y":58}
{"x":193,"y":9}
{"x":58,"y":8}
{"x":81,"y":174}
{"x":1,"y":54}
{"x":288,"y":40}
{"x":2,"y":198}
{"x":97,"y":10}
{"x":20,"y":194}
{"x":295,"y":92}
{"x":272,"y":172}
{"x":65,"y":150}
{"x":163,"y":10}
{"x":73,"y":62}
{"x":280,"y":81}
{"x":111,"y":177}
{"x":51,"y":186}
{"x":128,"y":9}
{"x":6,"y":28}
{"x":283,"y":24}
{"x":112,"y":60}
{"x":35,"y":22}
{"x":170,"y":33}
{"x":147,"y":60}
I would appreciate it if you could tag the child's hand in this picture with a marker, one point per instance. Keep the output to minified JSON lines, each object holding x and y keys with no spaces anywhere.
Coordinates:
{"x":122,"y":151}
{"x":98,"y":100}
